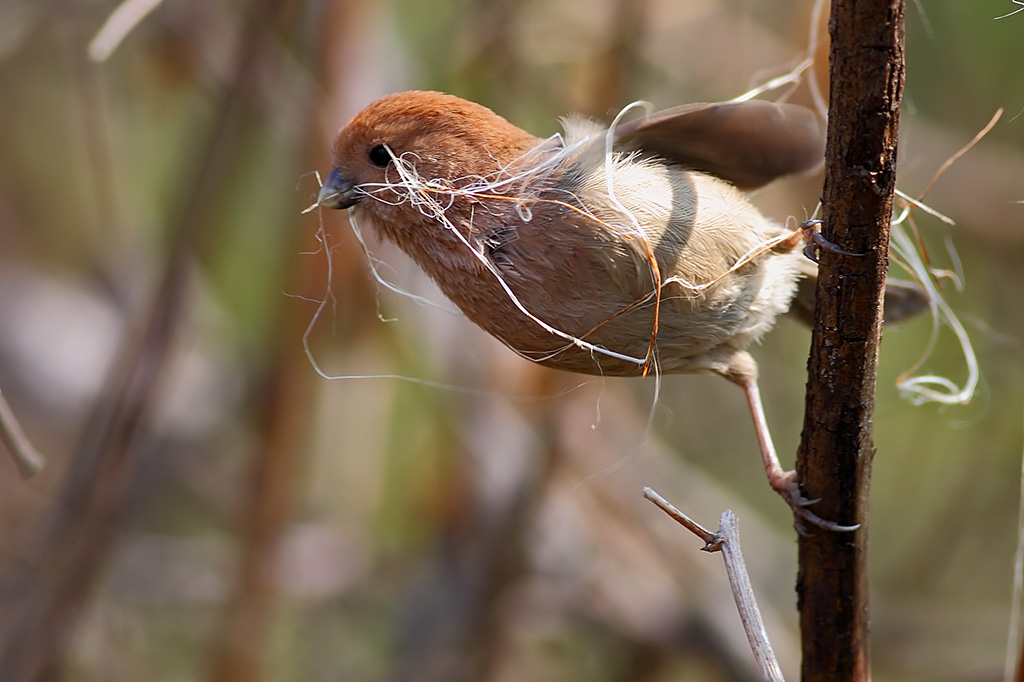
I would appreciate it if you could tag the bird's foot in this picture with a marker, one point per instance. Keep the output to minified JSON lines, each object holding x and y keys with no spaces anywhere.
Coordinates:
{"x":816,"y":242}
{"x":784,"y":483}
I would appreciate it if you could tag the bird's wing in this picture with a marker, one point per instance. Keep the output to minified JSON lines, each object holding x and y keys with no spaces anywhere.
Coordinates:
{"x":748,"y":144}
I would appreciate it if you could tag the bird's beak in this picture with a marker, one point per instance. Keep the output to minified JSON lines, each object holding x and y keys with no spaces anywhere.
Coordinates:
{"x":337,"y":192}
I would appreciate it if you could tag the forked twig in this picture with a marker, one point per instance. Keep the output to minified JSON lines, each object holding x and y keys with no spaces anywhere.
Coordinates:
{"x":727,"y":541}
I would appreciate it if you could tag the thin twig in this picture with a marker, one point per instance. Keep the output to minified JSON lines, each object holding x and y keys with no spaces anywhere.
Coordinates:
{"x":743,"y":593}
{"x":711,"y":540}
{"x":28,"y":459}
{"x":727,"y":541}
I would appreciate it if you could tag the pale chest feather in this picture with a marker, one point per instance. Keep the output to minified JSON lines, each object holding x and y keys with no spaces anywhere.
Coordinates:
{"x":576,"y":262}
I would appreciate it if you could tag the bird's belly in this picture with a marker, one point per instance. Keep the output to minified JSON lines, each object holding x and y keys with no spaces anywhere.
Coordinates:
{"x":591,"y":326}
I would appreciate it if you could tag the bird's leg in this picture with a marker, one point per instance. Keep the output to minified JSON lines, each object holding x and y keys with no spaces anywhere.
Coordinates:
{"x":782,"y":481}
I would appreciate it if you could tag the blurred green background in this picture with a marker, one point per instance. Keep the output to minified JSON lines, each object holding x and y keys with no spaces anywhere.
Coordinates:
{"x":214,"y":509}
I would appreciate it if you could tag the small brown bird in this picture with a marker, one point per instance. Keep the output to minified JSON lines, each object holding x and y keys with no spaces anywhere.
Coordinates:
{"x":610,"y":251}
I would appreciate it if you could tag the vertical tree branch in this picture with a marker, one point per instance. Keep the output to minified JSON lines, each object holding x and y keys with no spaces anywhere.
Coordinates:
{"x":834,"y":459}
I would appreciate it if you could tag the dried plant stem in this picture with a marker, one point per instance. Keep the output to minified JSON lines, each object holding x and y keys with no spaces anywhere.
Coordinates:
{"x":727,"y":541}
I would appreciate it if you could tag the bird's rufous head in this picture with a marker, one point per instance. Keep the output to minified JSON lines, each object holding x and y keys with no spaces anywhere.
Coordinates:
{"x":440,"y":137}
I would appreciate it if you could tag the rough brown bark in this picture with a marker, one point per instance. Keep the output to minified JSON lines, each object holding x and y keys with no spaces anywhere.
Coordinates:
{"x":834,"y":459}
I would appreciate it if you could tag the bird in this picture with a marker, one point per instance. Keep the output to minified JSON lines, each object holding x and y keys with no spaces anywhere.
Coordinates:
{"x":612,"y":250}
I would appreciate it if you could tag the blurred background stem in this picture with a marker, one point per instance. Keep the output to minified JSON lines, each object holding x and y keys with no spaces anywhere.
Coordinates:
{"x":69,"y":552}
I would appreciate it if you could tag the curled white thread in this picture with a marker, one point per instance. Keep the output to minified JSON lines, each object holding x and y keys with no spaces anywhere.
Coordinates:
{"x":932,"y":387}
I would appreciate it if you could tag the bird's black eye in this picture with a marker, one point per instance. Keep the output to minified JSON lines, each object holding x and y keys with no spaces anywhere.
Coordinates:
{"x":380,"y":156}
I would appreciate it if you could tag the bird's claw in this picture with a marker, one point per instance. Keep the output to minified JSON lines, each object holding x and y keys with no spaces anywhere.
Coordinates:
{"x":816,"y":242}
{"x":788,"y":488}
